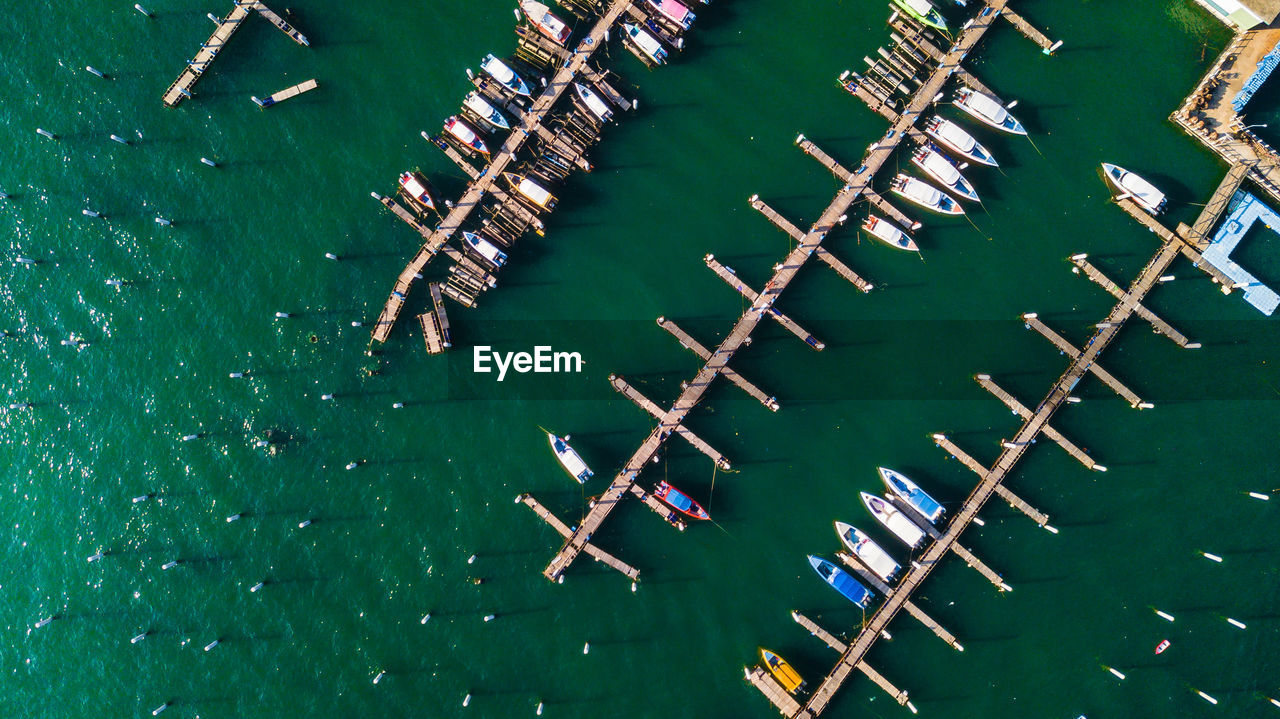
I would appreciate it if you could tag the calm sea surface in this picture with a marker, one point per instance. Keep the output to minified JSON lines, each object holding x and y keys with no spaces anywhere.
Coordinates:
{"x":117,"y":376}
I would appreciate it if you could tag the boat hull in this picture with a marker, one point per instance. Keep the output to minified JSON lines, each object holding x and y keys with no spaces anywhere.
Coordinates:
{"x":786,"y":675}
{"x":867,"y":551}
{"x":889,"y":234}
{"x":569,"y":459}
{"x":907,"y":188}
{"x":680,"y":501}
{"x":842,"y":582}
{"x":932,"y":18}
{"x":910,"y":492}
{"x":979,"y":107}
{"x":893,"y":520}
{"x":1138,"y":189}
{"x":931,"y":163}
{"x":954,"y":138}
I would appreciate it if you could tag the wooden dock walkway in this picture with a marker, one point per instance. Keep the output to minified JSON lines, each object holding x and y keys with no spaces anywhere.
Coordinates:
{"x":532,"y":117}
{"x":1005,"y":493}
{"x":279,"y":22}
{"x":867,"y":577}
{"x":181,"y":88}
{"x":1161,"y":327}
{"x":1067,"y":349}
{"x":287,"y":93}
{"x":1018,"y":409}
{"x":729,"y":373}
{"x":1217,"y":204}
{"x":1030,"y":31}
{"x":648,"y":405}
{"x":768,"y":686}
{"x":595,"y":552}
{"x":835,"y":168}
{"x":827,"y":637}
{"x":731,"y":278}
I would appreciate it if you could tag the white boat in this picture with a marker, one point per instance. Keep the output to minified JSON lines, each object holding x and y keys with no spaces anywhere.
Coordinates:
{"x":530,"y":190}
{"x":925,"y":195}
{"x":417,"y":187}
{"x":547,"y":24}
{"x":485,"y":248}
{"x":954,"y":138}
{"x":911,"y":493}
{"x":889,"y":233}
{"x":675,"y":11}
{"x":1139,"y":190}
{"x":485,"y":110}
{"x":598,"y":107}
{"x":466,"y":134}
{"x":988,"y":110}
{"x":937,"y":166}
{"x":903,"y":528}
{"x":647,"y":43}
{"x":867,"y":551}
{"x":569,"y":459}
{"x":503,"y":73}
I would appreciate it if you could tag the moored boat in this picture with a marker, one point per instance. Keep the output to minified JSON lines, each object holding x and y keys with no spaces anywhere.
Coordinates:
{"x":546,"y":23}
{"x":888,"y":515}
{"x":597,"y":106}
{"x":941,"y":169}
{"x":417,"y":187}
{"x":788,"y":677}
{"x":675,"y":11}
{"x":680,"y":501}
{"x":569,"y":459}
{"x":889,"y":233}
{"x":503,"y":73}
{"x":466,"y":134}
{"x":1162,"y":646}
{"x":530,"y":190}
{"x":925,"y":195}
{"x":988,"y":110}
{"x":485,"y":110}
{"x":954,"y":138}
{"x":911,"y":493}
{"x":841,"y":581}
{"x":1127,"y":183}
{"x":647,"y":43}
{"x":481,"y":246}
{"x":867,"y":551}
{"x":924,"y":11}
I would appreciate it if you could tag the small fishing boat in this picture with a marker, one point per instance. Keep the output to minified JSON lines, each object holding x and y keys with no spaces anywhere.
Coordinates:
{"x":503,"y":73}
{"x":675,"y":11}
{"x":954,"y":138}
{"x":485,"y":110}
{"x":680,"y":501}
{"x":911,"y":493}
{"x":841,"y":581}
{"x":598,"y":107}
{"x":466,"y":134}
{"x":986,"y":109}
{"x":569,"y":459}
{"x":647,"y":43}
{"x":893,"y":520}
{"x":550,"y":25}
{"x":1162,"y":646}
{"x":866,"y":550}
{"x":1142,"y":192}
{"x":925,"y":195}
{"x":417,"y":187}
{"x":940,"y":168}
{"x":889,"y":233}
{"x":530,"y":190}
{"x":923,"y":11}
{"x":789,"y":678}
{"x":484,"y":248}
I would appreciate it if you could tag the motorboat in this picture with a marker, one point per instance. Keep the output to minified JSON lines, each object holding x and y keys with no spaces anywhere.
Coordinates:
{"x":893,"y":520}
{"x":925,"y":195}
{"x":788,"y":677}
{"x":680,"y":501}
{"x":502,"y":72}
{"x":889,"y":233}
{"x":598,"y":107}
{"x":1139,"y":190}
{"x":954,"y":138}
{"x":569,"y":459}
{"x":988,"y":110}
{"x":943,"y":171}
{"x":675,"y":11}
{"x":530,"y":190}
{"x":417,"y":187}
{"x":867,"y":551}
{"x":484,"y":248}
{"x":647,"y":43}
{"x":466,"y":134}
{"x":924,"y":12}
{"x":485,"y":110}
{"x":546,"y":23}
{"x":842,"y":581}
{"x":910,"y":492}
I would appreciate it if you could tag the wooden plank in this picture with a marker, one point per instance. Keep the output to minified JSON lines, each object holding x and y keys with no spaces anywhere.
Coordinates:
{"x":1161,"y":327}
{"x":752,"y":296}
{"x":648,"y":405}
{"x":283,"y":26}
{"x":287,"y":93}
{"x":773,"y":691}
{"x":1018,"y":409}
{"x":729,"y":373}
{"x":1066,"y":348}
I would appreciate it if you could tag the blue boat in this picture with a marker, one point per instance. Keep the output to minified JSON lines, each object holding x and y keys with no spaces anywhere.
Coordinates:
{"x":911,"y":493}
{"x":851,"y":588}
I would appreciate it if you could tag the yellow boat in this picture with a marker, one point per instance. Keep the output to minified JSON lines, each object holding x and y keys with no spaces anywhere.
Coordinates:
{"x":778,"y":667}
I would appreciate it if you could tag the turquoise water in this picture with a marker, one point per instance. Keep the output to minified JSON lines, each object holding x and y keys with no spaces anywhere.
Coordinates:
{"x":345,"y":596}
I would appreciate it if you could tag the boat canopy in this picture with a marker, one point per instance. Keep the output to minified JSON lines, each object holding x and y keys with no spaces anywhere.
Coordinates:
{"x":943,"y":170}
{"x":534,"y":191}
{"x":987,"y":107}
{"x":499,"y":70}
{"x":413,"y":187}
{"x":569,"y":458}
{"x":922,"y":191}
{"x":674,"y":10}
{"x":953,"y":134}
{"x":678,"y":500}
{"x":647,"y":42}
{"x":924,"y":7}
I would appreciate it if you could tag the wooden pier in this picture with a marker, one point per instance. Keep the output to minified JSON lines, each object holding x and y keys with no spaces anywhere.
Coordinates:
{"x":731,"y":278}
{"x":729,"y":373}
{"x":1021,"y":411}
{"x":1217,"y":204}
{"x":1030,"y":31}
{"x":768,"y":686}
{"x":280,"y":24}
{"x":652,"y":408}
{"x":287,"y":93}
{"x":1067,"y":349}
{"x":1158,"y":325}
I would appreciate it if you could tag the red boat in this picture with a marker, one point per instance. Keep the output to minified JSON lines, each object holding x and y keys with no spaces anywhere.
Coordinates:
{"x":680,"y":501}
{"x":417,"y":187}
{"x":1162,"y":646}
